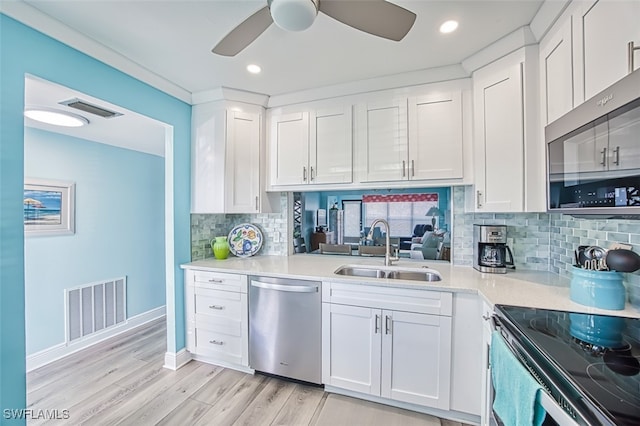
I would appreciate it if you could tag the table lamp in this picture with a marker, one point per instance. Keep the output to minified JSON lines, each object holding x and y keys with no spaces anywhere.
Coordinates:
{"x":433,"y":212}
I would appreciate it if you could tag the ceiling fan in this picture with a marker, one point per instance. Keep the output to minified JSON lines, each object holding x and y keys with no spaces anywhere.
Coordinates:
{"x":377,"y":17}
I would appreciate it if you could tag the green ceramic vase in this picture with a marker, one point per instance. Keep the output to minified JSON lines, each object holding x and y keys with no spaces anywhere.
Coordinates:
{"x":220,"y":247}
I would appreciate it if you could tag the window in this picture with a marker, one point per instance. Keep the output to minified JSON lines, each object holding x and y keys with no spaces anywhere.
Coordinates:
{"x":402,"y":211}
{"x":352,"y":218}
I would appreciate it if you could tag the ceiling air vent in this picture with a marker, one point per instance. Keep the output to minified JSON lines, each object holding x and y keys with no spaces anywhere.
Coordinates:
{"x":81,"y":105}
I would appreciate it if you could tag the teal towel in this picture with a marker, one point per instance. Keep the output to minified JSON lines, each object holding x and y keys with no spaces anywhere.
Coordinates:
{"x":515,"y":390}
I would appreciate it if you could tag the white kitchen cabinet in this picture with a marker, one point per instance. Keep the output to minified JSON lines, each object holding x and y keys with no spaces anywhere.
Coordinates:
{"x":602,"y":30}
{"x":217,"y":318}
{"x":382,"y":133}
{"x":557,"y":73}
{"x":373,"y":347}
{"x":312,"y":147}
{"x":466,"y":365}
{"x":227,"y":156}
{"x":415,"y":138}
{"x":435,"y":136}
{"x":506,"y":131}
{"x":331,"y":145}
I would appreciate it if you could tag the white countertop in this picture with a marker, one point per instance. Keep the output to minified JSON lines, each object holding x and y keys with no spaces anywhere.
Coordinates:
{"x":519,"y":288}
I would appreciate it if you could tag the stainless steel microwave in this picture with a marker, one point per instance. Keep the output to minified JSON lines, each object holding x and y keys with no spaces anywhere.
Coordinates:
{"x":593,"y":155}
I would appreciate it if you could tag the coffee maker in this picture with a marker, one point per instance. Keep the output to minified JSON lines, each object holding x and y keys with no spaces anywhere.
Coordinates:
{"x":491,"y":252}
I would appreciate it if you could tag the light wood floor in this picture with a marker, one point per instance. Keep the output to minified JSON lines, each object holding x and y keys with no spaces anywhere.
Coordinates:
{"x":122,"y":381}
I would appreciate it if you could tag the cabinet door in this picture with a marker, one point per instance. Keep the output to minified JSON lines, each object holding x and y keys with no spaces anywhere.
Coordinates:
{"x":351,"y":347}
{"x":242,"y":189}
{"x":290,"y":149}
{"x":416,"y":358}
{"x":605,"y":28}
{"x":587,"y":151}
{"x":499,"y":139}
{"x":435,"y":136}
{"x":331,"y":146}
{"x":556,"y":74}
{"x":383,"y":139}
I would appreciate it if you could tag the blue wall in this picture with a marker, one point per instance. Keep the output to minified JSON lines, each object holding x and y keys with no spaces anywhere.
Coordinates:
{"x":119,"y":230}
{"x":26,"y":51}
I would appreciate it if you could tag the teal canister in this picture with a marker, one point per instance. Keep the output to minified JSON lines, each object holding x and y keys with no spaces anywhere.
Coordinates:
{"x":599,"y":289}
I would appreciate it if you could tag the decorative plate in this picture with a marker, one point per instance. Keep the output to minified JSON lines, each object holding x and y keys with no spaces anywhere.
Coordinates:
{"x":245,"y":240}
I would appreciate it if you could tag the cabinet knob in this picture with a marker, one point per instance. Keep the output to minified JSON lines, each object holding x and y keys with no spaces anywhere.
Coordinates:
{"x":216,"y":342}
{"x":387,"y":324}
{"x":257,"y":204}
{"x":377,"y":326}
{"x":413,"y":169}
{"x":603,"y":163}
{"x":311,"y":173}
{"x":617,"y":156}
{"x":304,"y":174}
{"x":213,"y":280}
{"x":478,"y":198}
{"x":403,"y":168}
{"x":218,"y":307}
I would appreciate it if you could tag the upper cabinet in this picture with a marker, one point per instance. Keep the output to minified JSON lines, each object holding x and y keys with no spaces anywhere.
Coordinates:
{"x":382,"y":131}
{"x":505,"y":133}
{"x":602,"y":32}
{"x":227,"y":157}
{"x":585,"y":52}
{"x":435,"y":136}
{"x":416,"y":138}
{"x":313,"y":146}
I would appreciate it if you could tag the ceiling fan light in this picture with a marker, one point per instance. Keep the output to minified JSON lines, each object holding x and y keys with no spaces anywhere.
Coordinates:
{"x":55,"y":117}
{"x":293,"y":15}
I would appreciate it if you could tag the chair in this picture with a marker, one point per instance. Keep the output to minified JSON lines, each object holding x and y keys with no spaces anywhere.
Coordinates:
{"x":335,"y":249}
{"x":431,"y":248}
{"x":418,"y":231}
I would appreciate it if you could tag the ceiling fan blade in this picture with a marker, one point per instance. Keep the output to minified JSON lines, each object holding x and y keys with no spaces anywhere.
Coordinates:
{"x":245,"y":33}
{"x":376,"y":17}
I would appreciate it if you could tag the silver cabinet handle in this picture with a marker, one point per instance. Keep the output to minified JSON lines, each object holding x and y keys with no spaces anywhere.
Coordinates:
{"x":216,"y":342}
{"x":403,"y":168}
{"x":257,"y":208}
{"x":617,"y":153}
{"x":604,"y":157}
{"x":630,"y":50}
{"x":304,"y":174}
{"x":289,"y":288}
{"x":217,"y":307}
{"x":311,"y":173}
{"x":478,"y":197}
{"x":213,"y":280}
{"x":413,"y":169}
{"x":387,"y":324}
{"x":378,"y":320}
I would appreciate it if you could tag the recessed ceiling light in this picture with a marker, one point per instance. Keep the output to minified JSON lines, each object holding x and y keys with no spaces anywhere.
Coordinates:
{"x":448,"y":27}
{"x":55,"y":117}
{"x":254,"y":69}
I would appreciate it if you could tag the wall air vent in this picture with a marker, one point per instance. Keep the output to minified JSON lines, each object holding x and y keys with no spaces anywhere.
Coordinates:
{"x":81,"y":105}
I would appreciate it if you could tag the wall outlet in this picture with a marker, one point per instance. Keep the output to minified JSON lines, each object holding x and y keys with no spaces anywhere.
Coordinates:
{"x":276,"y":237}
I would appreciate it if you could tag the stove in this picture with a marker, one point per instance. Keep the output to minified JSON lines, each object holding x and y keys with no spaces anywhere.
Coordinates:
{"x":594,"y":360}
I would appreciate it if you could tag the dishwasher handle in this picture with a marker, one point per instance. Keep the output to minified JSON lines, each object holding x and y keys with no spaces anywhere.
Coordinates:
{"x":284,"y":287}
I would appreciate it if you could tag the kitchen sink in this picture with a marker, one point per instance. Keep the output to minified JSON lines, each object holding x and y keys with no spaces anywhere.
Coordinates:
{"x":360,"y":272}
{"x":391,"y":272}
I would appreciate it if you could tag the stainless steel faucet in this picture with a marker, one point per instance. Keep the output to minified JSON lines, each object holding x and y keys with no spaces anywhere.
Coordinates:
{"x":388,"y":259}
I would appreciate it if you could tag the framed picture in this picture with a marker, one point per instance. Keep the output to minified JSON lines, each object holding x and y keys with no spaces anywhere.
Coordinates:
{"x":49,"y":207}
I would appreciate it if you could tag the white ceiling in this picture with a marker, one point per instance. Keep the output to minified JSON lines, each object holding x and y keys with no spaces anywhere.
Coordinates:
{"x":168,"y":45}
{"x":173,"y":39}
{"x":130,"y":130}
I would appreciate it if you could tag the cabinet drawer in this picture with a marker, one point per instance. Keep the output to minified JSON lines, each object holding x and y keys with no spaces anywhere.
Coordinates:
{"x":219,"y":281}
{"x":224,"y":304}
{"x":217,"y":344}
{"x":400,"y":299}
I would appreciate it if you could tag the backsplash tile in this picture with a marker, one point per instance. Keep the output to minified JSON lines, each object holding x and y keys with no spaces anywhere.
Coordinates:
{"x":206,"y":226}
{"x":541,"y":241}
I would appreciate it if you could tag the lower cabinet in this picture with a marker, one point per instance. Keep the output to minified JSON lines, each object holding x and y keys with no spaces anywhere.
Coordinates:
{"x":217,"y":318}
{"x":403,"y":356}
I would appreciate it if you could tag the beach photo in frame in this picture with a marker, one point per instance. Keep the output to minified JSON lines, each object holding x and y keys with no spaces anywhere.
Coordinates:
{"x":49,"y":207}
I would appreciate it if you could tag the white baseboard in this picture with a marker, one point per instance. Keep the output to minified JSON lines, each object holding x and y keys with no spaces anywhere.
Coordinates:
{"x":61,"y":350}
{"x":175,"y":360}
{"x":232,"y":366}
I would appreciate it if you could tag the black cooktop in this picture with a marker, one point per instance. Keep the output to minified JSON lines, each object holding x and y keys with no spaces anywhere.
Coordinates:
{"x":600,"y":354}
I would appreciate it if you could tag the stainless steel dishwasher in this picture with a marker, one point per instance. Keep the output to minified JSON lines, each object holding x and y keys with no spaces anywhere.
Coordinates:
{"x":285,"y":328}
